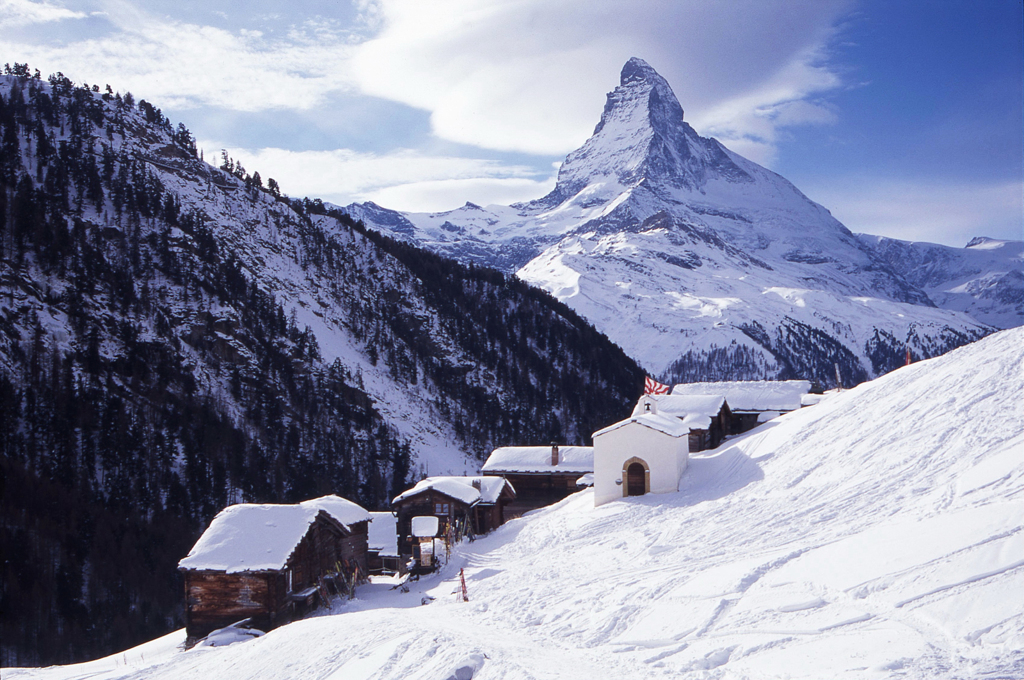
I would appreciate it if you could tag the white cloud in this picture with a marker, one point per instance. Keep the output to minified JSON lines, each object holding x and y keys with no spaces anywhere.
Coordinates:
{"x":523,"y":75}
{"x":531,"y":75}
{"x":180,"y":64}
{"x":404,"y":179}
{"x":440,"y":195}
{"x":527,"y":76}
{"x":946,"y":213}
{"x":17,"y":13}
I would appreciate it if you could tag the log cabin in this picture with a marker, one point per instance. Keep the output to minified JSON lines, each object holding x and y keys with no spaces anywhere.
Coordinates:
{"x":463,"y":506}
{"x":266,"y":563}
{"x":706,"y":417}
{"x":752,"y":402}
{"x":541,"y":475}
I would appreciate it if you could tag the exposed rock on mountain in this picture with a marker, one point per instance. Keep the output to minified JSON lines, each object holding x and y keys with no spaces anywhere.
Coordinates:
{"x":700,"y":263}
{"x":983,"y":279}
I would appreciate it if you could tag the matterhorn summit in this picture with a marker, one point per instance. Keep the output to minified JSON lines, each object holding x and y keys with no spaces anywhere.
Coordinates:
{"x":701,"y":264}
{"x":642,"y":139}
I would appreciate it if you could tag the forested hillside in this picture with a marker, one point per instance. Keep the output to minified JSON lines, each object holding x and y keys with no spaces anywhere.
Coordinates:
{"x":176,"y":337}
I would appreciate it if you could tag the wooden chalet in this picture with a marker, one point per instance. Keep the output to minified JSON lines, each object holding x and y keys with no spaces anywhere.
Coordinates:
{"x":463,"y":506}
{"x":708,"y":417}
{"x":751,"y":402}
{"x":272,"y":563}
{"x":541,"y":475}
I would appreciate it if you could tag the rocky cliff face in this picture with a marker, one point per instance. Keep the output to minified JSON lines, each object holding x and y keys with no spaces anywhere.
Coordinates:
{"x":697,"y":261}
{"x":983,"y":279}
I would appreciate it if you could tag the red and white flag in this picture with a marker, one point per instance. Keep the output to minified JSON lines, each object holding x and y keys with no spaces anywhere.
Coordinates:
{"x":652,"y":386}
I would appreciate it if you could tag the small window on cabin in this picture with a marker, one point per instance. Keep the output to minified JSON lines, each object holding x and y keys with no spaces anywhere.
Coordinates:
{"x":440,"y":508}
{"x":289,"y":574}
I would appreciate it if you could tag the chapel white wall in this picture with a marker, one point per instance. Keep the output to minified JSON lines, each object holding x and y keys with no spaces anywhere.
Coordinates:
{"x":665,"y":456}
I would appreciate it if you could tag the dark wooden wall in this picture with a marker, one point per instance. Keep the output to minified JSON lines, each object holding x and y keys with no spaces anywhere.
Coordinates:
{"x":538,"y":490}
{"x":214,"y":599}
{"x":425,"y":505}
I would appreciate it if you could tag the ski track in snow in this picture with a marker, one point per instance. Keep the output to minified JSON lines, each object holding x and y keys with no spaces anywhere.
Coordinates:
{"x":879,"y":534}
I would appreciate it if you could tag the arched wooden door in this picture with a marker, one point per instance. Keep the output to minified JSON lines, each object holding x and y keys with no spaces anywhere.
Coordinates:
{"x":635,"y":480}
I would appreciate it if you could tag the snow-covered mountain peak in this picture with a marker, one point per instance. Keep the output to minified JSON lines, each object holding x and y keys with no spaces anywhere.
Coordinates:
{"x":639,"y":81}
{"x":986,"y":243}
{"x":677,"y":248}
{"x":642,"y":138}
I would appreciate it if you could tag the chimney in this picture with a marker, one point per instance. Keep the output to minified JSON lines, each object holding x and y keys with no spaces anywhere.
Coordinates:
{"x":554,"y":454}
{"x":476,"y":484}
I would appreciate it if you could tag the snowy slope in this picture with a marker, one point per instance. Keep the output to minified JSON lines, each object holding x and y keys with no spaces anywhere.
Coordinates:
{"x":984,"y":279}
{"x":878,"y":534}
{"x":687,"y":254}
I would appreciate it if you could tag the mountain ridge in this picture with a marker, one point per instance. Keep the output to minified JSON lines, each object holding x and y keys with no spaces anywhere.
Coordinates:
{"x":700,"y":248}
{"x":176,"y":337}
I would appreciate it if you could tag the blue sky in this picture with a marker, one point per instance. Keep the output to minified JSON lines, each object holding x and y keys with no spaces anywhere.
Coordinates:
{"x":903,"y":118}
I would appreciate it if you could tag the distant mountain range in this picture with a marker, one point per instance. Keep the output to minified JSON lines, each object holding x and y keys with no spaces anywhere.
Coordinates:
{"x":704,"y":265}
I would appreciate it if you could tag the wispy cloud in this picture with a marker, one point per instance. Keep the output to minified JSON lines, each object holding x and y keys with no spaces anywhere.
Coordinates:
{"x":17,"y":13}
{"x":527,"y":76}
{"x":404,"y":179}
{"x":180,"y":64}
{"x":531,"y":75}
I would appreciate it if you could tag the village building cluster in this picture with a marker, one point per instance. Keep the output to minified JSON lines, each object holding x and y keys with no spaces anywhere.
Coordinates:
{"x":272,"y":563}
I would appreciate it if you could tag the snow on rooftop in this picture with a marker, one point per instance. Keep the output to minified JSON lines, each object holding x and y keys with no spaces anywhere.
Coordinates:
{"x":538,"y":459}
{"x":487,"y":489}
{"x":249,"y":537}
{"x":695,"y":410}
{"x":424,"y":527}
{"x":670,"y":425}
{"x":252,"y":537}
{"x":751,"y":395}
{"x":341,"y":509}
{"x":382,"y":534}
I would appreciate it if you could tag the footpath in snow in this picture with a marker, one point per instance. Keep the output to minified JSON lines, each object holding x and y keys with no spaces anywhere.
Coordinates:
{"x":878,"y":534}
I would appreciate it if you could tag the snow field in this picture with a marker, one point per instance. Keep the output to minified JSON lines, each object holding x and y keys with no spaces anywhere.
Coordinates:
{"x":878,"y":534}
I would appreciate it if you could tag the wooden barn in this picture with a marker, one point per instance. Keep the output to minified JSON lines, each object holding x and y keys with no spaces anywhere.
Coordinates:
{"x":463,"y":506}
{"x":708,"y":417}
{"x":271,"y":563}
{"x":751,"y":402}
{"x":541,"y":475}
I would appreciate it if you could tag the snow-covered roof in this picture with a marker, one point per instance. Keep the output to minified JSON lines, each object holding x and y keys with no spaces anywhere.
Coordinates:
{"x":382,"y":534}
{"x":670,"y":425}
{"x":251,"y":537}
{"x":487,"y":489}
{"x":571,"y":459}
{"x":425,"y":527}
{"x":695,"y":410}
{"x":751,"y":395}
{"x":345,"y":511}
